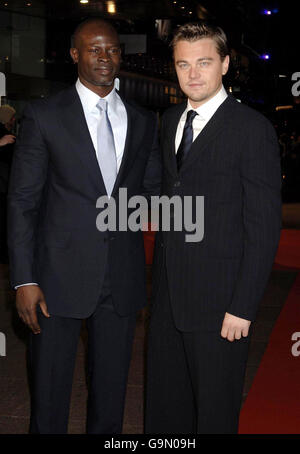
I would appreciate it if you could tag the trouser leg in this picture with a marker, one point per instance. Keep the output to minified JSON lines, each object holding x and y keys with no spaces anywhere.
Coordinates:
{"x":170,"y":404}
{"x":52,"y":357}
{"x":110,"y":339}
{"x":217,"y":369}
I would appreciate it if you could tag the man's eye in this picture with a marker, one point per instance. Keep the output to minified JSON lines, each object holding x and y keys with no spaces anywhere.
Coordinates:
{"x":183,"y":65}
{"x":204,"y":63}
{"x":94,"y":51}
{"x":114,"y":51}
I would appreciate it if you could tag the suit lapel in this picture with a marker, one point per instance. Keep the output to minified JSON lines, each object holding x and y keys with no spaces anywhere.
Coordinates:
{"x":170,"y":135}
{"x":212,"y":129}
{"x":74,"y":121}
{"x":129,"y":149}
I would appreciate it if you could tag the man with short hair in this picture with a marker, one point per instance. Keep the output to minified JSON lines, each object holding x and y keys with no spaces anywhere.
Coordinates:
{"x":206,"y":294}
{"x":74,"y":147}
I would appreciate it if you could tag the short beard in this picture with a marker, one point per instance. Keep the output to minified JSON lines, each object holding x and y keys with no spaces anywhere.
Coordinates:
{"x":103,"y":84}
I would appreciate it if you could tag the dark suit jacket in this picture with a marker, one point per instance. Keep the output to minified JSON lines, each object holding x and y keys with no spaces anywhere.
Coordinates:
{"x":6,"y":155}
{"x":55,"y":182}
{"x":234,"y":163}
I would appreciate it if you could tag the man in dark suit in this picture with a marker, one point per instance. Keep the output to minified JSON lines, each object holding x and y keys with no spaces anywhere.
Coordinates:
{"x":206,"y":293}
{"x":74,"y":147}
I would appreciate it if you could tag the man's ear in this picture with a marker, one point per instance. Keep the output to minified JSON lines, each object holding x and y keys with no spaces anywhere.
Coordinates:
{"x":225,"y":65}
{"x":74,"y":54}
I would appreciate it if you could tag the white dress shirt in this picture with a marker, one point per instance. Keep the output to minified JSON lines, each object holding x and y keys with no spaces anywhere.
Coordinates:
{"x":205,"y":112}
{"x":116,"y":113}
{"x":117,"y":116}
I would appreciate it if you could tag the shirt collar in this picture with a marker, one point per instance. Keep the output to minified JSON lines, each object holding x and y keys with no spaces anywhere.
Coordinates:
{"x":207,"y":110}
{"x":89,"y":99}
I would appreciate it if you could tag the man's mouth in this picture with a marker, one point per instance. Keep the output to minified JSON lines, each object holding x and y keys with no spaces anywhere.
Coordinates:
{"x":195,"y":84}
{"x":104,"y":69}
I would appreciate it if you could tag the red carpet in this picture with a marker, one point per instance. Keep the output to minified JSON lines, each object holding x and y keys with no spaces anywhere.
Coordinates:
{"x":149,"y":238}
{"x":288,"y":253}
{"x":273,"y":403}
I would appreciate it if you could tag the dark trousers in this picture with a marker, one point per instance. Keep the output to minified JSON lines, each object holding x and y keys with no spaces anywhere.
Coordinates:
{"x":194,"y":379}
{"x":52,"y":357}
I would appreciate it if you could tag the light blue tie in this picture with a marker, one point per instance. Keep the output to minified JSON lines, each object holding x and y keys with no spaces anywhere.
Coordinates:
{"x":106,"y":152}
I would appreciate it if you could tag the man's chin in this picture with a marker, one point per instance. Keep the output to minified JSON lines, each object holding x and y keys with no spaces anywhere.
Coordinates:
{"x":103,"y":83}
{"x":199,"y":98}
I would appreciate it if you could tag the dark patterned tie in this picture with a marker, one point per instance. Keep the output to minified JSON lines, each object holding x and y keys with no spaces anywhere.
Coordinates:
{"x":187,"y":138}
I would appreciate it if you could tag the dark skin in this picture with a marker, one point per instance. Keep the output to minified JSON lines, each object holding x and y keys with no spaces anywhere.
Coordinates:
{"x":98,"y":56}
{"x":27,"y":300}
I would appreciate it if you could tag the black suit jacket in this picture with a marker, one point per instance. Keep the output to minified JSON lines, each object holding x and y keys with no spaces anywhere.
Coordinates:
{"x":6,"y":155}
{"x":55,"y":182}
{"x":234,"y":163}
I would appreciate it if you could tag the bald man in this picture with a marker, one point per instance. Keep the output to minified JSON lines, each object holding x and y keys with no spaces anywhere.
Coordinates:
{"x":81,"y":144}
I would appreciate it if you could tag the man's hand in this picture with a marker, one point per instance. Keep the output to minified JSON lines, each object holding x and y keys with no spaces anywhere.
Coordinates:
{"x":27,"y":299}
{"x":7,"y":139}
{"x":234,"y":327}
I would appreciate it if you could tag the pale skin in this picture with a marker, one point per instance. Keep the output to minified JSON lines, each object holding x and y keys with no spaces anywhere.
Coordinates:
{"x":97,"y":54}
{"x":7,"y":139}
{"x":200,"y":69}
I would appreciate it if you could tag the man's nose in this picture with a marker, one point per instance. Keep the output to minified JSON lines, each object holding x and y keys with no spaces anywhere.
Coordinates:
{"x":194,"y":72}
{"x":103,"y":55}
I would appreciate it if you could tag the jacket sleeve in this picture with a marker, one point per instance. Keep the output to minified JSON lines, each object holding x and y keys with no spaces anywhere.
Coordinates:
{"x":153,"y":173}
{"x":27,"y":181}
{"x":261,"y":181}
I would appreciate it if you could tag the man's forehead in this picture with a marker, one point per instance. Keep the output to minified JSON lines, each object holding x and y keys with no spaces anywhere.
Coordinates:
{"x":201,"y":42}
{"x":94,"y":30}
{"x":201,"y":46}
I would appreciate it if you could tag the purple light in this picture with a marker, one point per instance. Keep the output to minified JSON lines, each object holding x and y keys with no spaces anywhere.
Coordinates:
{"x":265,"y":57}
{"x":269,"y":12}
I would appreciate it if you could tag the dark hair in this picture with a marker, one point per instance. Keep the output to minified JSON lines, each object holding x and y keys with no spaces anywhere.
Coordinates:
{"x":90,"y":20}
{"x":193,"y":31}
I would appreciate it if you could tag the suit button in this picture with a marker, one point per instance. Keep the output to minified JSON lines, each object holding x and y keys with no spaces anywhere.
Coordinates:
{"x":161,"y":244}
{"x":177,"y":184}
{"x":112,"y":238}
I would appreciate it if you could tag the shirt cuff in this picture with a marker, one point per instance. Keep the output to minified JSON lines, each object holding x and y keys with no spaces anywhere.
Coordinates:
{"x":24,"y":285}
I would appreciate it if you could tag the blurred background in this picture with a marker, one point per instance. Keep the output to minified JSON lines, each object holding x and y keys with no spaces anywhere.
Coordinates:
{"x":263,"y":36}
